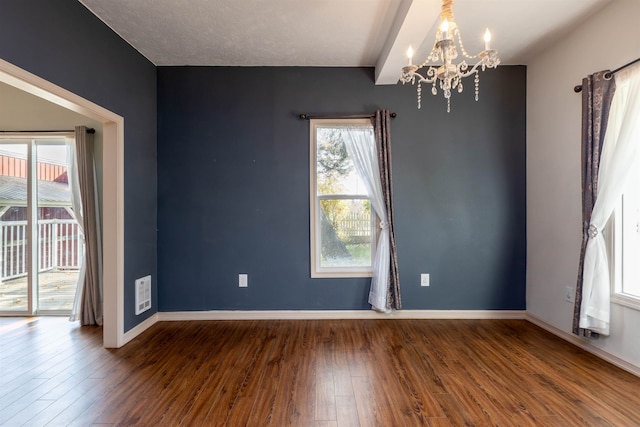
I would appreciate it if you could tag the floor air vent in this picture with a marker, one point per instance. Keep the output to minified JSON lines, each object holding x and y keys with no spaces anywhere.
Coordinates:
{"x":143,"y":294}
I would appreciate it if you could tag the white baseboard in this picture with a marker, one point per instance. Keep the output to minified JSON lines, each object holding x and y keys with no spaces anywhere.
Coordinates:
{"x":168,"y":316}
{"x":140,"y":328}
{"x":338,"y":314}
{"x":583,"y":343}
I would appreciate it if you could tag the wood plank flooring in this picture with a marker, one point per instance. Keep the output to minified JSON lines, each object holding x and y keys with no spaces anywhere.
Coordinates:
{"x":308,"y":373}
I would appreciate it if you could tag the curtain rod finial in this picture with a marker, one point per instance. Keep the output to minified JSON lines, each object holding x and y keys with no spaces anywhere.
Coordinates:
{"x":577,"y":89}
{"x":303,"y":116}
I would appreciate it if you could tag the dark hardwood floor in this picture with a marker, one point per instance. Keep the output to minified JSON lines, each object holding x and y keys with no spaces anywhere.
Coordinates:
{"x":308,"y":373}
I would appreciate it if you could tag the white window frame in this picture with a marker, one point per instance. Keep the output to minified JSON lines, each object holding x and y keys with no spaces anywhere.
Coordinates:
{"x":614,"y":235}
{"x":317,"y":271}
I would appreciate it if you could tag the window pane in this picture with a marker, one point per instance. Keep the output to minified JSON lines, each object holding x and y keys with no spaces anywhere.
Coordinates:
{"x":60,"y":242}
{"x":345,"y":233}
{"x":335,"y":171}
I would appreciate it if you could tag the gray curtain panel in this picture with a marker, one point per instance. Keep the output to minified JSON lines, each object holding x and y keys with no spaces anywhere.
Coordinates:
{"x":597,"y":94}
{"x":382,"y":129}
{"x":91,"y":305}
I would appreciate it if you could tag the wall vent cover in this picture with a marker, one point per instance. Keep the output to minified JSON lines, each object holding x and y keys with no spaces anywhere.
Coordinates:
{"x":143,"y":294}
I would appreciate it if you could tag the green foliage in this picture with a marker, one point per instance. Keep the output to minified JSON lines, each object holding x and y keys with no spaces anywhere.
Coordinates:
{"x":361,"y":253}
{"x":333,"y":161}
{"x":333,"y":166}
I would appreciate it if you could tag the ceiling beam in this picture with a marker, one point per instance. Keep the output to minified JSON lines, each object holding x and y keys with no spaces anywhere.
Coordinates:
{"x":413,"y":23}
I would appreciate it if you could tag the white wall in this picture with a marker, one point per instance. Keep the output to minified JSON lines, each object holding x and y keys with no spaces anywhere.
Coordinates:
{"x":604,"y":41}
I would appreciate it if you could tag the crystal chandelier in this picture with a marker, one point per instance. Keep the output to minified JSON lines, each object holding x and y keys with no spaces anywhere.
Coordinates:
{"x":445,"y":50}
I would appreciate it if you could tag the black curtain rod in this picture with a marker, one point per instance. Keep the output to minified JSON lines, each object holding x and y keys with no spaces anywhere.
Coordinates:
{"x":304,"y":116}
{"x":608,"y":75}
{"x":89,"y":130}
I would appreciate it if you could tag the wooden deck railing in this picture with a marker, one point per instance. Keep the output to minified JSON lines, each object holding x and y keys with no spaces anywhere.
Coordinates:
{"x":59,"y":246}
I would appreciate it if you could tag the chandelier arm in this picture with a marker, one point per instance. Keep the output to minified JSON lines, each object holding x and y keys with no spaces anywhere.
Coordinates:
{"x":422,"y":79}
{"x":471,"y":71}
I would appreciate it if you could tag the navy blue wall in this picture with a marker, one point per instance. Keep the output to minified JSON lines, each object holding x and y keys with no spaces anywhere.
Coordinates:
{"x":233,"y":189}
{"x":61,"y":41}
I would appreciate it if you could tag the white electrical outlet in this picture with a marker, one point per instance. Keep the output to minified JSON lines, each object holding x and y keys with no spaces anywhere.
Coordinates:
{"x":243,"y":280}
{"x":424,"y":279}
{"x":569,"y":295}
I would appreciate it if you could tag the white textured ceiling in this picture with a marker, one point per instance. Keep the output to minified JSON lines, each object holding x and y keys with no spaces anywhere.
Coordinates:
{"x":330,"y":32}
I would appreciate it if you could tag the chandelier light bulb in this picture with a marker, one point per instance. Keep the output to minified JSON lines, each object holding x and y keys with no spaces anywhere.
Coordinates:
{"x":445,"y":29}
{"x":410,"y":54}
{"x":487,"y":39}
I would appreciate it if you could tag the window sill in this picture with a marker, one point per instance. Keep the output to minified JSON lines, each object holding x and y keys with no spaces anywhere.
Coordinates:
{"x":340,"y":274}
{"x":626,"y":300}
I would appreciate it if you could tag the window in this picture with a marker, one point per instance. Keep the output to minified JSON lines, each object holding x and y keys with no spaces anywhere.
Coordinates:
{"x":624,"y":224}
{"x":342,"y":221}
{"x":626,"y":246}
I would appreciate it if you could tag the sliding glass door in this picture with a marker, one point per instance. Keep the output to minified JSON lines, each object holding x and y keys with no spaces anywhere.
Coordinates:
{"x":40,"y":240}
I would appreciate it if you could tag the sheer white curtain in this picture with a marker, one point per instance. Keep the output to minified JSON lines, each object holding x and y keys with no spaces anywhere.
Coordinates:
{"x":76,"y":206}
{"x":361,"y":147}
{"x":620,"y":150}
